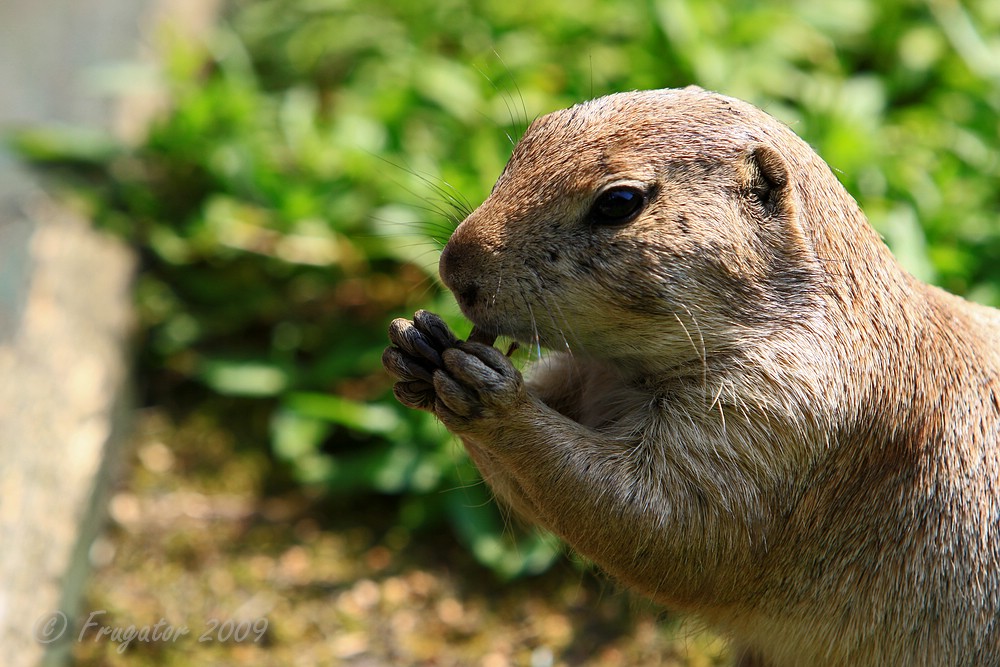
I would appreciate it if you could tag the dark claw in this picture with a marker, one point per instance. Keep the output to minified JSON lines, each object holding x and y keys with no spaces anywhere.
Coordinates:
{"x":416,"y":394}
{"x":408,"y":338}
{"x":428,"y":352}
{"x":404,"y":367}
{"x":456,"y":397}
{"x":490,"y":356}
{"x":435,"y":329}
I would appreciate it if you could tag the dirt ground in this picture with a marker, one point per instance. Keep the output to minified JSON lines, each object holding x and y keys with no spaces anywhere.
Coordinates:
{"x":203,"y":564}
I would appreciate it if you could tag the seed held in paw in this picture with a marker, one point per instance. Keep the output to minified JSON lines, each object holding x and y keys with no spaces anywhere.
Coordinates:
{"x":477,"y":335}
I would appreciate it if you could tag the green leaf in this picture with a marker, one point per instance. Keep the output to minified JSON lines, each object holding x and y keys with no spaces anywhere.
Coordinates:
{"x":58,"y":143}
{"x":493,"y":541}
{"x":244,"y":377}
{"x":372,"y":418}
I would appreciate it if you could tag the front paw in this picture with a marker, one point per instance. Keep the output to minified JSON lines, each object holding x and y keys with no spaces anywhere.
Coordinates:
{"x":415,"y":355}
{"x":477,"y":387}
{"x":466,"y":384}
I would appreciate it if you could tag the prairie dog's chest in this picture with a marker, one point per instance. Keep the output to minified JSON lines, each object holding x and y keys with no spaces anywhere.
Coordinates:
{"x":591,"y":393}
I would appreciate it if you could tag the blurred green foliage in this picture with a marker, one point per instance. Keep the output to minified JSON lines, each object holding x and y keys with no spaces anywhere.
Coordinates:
{"x":317,"y":152}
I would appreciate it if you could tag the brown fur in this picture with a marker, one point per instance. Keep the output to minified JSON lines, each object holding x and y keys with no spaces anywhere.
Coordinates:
{"x":750,"y":411}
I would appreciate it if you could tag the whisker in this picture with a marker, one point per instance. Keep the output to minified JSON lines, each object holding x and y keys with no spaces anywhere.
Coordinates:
{"x":555,"y":324}
{"x":688,"y":334}
{"x":506,"y":102}
{"x":520,"y":96}
{"x":447,"y":194}
{"x":717,"y":402}
{"x":537,"y":339}
{"x":704,"y":350}
{"x":496,"y":292}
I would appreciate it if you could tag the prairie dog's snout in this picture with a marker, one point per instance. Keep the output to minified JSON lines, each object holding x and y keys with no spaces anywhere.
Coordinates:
{"x":461,"y":269}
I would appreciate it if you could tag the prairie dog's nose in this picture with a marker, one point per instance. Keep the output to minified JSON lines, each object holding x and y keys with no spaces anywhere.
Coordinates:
{"x":457,"y":269}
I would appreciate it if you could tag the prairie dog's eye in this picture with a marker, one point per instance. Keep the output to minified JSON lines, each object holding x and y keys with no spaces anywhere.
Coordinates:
{"x":617,"y":206}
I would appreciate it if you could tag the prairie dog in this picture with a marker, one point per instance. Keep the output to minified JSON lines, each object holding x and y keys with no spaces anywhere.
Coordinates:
{"x":749,"y":411}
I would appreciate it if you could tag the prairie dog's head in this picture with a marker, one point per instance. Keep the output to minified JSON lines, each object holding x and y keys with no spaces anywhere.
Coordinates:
{"x":640,"y":225}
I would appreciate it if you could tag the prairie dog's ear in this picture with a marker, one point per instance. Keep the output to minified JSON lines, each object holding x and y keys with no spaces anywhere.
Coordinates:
{"x":769,"y":188}
{"x":766,"y":179}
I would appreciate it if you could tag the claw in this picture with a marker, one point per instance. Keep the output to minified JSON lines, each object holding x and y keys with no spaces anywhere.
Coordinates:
{"x":405,"y":367}
{"x":409,"y":338}
{"x":435,"y":329}
{"x":416,"y":394}
{"x":428,"y":352}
